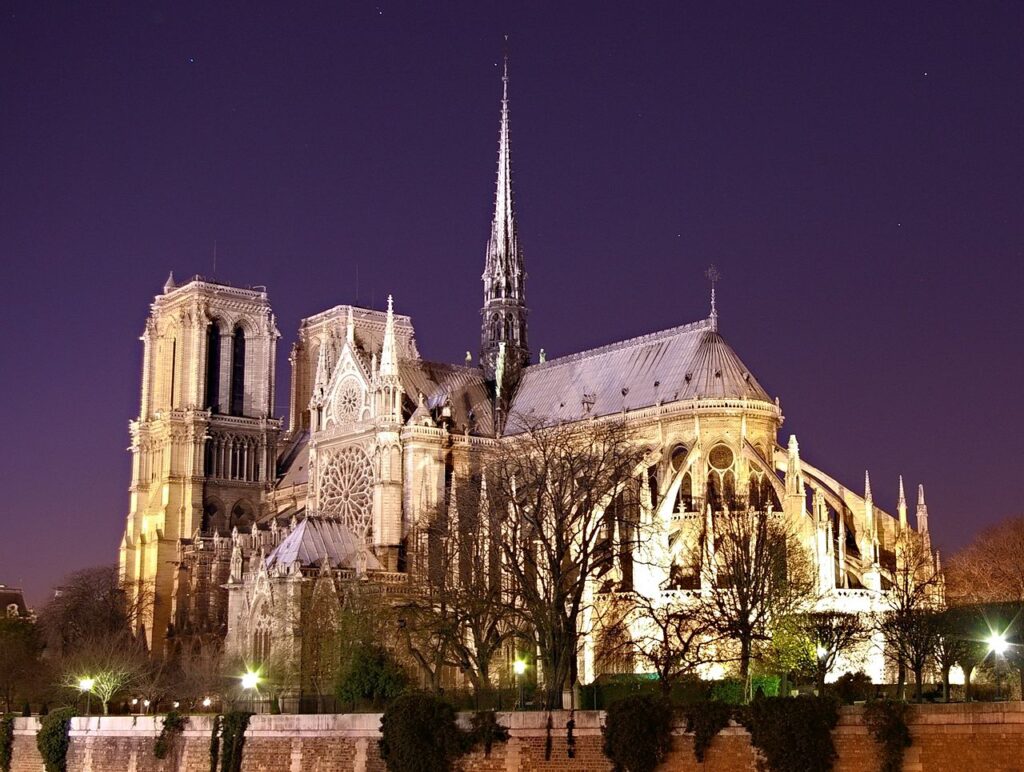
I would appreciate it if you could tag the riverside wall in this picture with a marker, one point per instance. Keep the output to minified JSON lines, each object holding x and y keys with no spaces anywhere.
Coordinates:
{"x":974,"y":737}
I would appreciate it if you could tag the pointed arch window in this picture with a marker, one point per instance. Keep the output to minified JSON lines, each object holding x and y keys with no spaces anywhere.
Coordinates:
{"x":212,"y":399}
{"x":238,"y":372}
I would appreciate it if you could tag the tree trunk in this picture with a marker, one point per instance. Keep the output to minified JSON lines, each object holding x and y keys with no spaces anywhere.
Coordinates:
{"x":945,"y":682}
{"x":744,"y":658}
{"x":918,"y":684}
{"x":968,"y":687}
{"x":901,"y":681}
{"x":821,"y":679}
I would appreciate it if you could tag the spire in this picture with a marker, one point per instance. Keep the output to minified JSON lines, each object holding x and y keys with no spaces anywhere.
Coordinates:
{"x":901,"y":507}
{"x":867,"y":485}
{"x":388,"y":354}
{"x":794,"y":473}
{"x":323,"y":370}
{"x":922,"y":516}
{"x":503,"y":317}
{"x":713,"y":276}
{"x":169,"y":284}
{"x":350,"y":329}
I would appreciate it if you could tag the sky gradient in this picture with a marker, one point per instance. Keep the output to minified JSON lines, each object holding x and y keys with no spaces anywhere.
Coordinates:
{"x":855,"y":171}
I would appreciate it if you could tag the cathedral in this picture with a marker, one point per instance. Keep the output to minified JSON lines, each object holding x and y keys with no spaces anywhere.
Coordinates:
{"x":231,"y":511}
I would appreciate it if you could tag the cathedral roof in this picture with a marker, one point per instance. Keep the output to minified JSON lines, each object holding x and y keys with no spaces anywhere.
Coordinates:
{"x":316,"y":538}
{"x":681,"y":363}
{"x":464,"y":386}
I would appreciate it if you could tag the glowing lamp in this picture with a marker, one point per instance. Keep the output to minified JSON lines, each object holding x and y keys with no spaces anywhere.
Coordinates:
{"x":207,"y":702}
{"x":86,"y":684}
{"x":519,"y":667}
{"x":250,"y":680}
{"x":997,"y":643}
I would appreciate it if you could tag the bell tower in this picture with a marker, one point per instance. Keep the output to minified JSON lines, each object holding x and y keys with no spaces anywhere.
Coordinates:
{"x":204,"y":445}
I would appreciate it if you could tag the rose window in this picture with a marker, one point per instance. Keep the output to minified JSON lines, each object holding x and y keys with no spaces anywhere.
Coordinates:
{"x":346,"y":488}
{"x":347,"y":403}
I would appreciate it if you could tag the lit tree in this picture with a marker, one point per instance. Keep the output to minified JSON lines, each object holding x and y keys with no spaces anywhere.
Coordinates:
{"x":561,"y":494}
{"x":991,"y":568}
{"x":758,"y":571}
{"x":831,"y":634}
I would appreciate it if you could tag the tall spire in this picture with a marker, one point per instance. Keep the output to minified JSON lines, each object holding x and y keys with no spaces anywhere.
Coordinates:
{"x":503,"y":316}
{"x":922,"y":516}
{"x":388,"y":353}
{"x":901,"y":507}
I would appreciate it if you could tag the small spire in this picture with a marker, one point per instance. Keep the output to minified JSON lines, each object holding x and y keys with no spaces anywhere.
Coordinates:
{"x":794,"y":471}
{"x":350,"y":329}
{"x":543,"y":356}
{"x":867,"y":485}
{"x":713,"y":276}
{"x":469,"y":359}
{"x":901,"y":507}
{"x":922,"y":511}
{"x":389,"y":354}
{"x":169,"y":284}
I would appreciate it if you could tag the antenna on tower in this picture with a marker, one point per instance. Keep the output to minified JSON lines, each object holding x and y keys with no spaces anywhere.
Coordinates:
{"x":713,"y":276}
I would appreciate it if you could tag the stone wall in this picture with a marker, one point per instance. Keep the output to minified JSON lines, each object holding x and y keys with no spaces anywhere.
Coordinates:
{"x":987,"y":737}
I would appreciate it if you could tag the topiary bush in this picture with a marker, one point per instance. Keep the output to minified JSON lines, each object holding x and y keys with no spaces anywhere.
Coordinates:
{"x":486,"y":730}
{"x":419,"y":733}
{"x":171,"y":728}
{"x":794,"y":734}
{"x":6,"y":742}
{"x":232,"y":735}
{"x":852,"y":687}
{"x":887,"y":725}
{"x":52,"y":739}
{"x":638,"y":733}
{"x":705,"y":720}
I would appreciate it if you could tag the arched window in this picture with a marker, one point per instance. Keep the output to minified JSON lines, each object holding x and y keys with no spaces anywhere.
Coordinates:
{"x":212,"y":400}
{"x":237,"y":372}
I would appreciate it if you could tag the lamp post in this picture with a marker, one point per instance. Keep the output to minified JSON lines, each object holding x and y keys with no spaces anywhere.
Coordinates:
{"x":519,"y":668}
{"x":251,"y":683}
{"x":85,"y":685}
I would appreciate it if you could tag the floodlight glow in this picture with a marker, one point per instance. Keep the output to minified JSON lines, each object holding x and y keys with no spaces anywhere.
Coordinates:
{"x":207,"y":702}
{"x":250,"y":680}
{"x":86,"y":684}
{"x":519,"y":667}
{"x":997,"y":643}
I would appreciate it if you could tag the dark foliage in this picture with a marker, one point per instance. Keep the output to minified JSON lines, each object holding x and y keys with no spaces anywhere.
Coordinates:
{"x":232,"y":733}
{"x":419,"y":733}
{"x":6,"y":742}
{"x":52,"y":739}
{"x":852,"y":687}
{"x":215,"y":743}
{"x":486,"y":731}
{"x":705,"y":720}
{"x":794,"y":734}
{"x":887,"y":724}
{"x":638,"y":733}
{"x":171,"y":728}
{"x":372,"y":673}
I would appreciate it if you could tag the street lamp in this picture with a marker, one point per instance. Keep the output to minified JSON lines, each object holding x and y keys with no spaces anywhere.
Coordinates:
{"x":998,"y":645}
{"x":519,"y":668}
{"x":85,"y":685}
{"x":250,"y":680}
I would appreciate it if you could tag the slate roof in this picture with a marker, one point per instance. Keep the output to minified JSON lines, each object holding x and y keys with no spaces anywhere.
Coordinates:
{"x":680,"y":363}
{"x":315,"y":538}
{"x":465,"y":386}
{"x":12,"y":596}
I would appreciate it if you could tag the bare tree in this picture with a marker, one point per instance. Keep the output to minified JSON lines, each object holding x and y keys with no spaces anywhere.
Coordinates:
{"x":912,"y":623}
{"x":200,"y":674}
{"x":666,"y":636}
{"x":756,"y":570}
{"x":561,"y":494}
{"x":991,"y":568}
{"x":832,"y":634}
{"x":109,"y":662}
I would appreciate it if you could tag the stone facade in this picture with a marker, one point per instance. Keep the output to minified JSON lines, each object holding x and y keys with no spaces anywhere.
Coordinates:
{"x":970,"y":737}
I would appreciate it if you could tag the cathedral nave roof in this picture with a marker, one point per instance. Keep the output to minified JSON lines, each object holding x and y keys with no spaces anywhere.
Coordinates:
{"x":316,"y":538}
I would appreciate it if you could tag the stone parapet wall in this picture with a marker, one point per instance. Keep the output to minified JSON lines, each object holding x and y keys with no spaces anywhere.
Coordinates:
{"x":982,"y":737}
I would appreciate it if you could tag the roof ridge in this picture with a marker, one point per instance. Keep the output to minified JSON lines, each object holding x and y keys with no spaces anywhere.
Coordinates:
{"x":702,"y":324}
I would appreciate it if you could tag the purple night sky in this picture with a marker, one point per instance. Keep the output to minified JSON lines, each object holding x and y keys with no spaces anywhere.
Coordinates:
{"x":857,"y":175}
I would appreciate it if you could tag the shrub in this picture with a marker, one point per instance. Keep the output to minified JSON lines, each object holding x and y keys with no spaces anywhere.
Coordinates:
{"x":232,"y":733}
{"x":887,"y":724}
{"x":638,"y":733}
{"x":52,"y":739}
{"x":852,"y":687}
{"x":794,"y":734}
{"x":486,"y":730}
{"x":215,"y":742}
{"x":171,"y":728}
{"x":6,"y":742}
{"x":372,"y":673}
{"x":705,"y":720}
{"x":419,"y":734}
{"x":731,"y":690}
